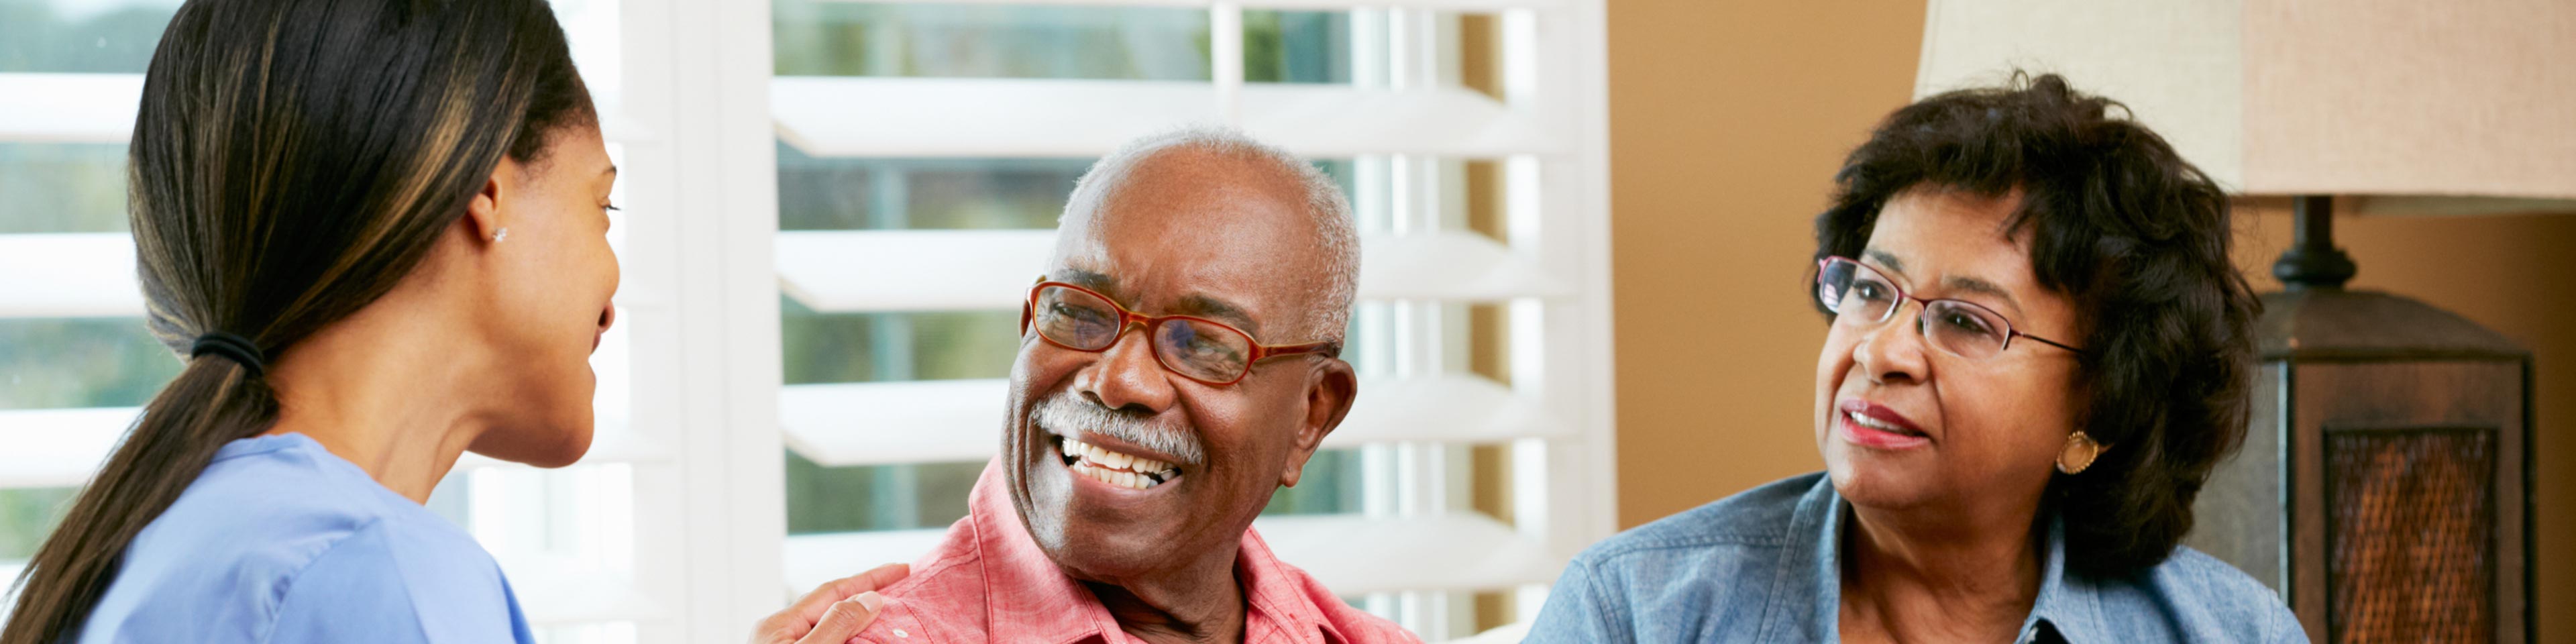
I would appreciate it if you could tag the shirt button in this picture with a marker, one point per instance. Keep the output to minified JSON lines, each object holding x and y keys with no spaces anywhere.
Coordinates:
{"x":899,"y":633}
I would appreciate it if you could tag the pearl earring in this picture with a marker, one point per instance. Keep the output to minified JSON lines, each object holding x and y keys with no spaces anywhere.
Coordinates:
{"x":500,"y":235}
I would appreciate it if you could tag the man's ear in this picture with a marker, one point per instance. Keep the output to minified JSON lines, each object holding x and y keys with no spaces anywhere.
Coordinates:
{"x":1328,"y":398}
{"x":483,"y":211}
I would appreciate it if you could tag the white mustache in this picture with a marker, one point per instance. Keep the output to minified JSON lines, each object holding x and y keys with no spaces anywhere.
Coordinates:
{"x":1067,"y":414}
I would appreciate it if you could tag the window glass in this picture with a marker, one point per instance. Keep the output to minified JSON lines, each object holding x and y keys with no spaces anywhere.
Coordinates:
{"x":823,"y":38}
{"x":86,"y":36}
{"x":62,"y":187}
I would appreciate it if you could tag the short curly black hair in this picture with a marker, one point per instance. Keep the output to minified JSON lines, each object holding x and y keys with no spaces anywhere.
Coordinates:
{"x":2137,"y":238}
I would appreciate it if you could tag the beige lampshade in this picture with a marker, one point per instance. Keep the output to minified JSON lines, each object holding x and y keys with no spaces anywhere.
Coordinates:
{"x":2412,"y":107}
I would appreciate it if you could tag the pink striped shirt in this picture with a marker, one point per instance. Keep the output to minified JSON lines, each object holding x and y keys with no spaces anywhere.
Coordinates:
{"x":989,"y":582}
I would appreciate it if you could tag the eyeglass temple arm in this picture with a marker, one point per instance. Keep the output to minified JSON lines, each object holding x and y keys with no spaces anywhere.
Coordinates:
{"x":2018,"y":334}
{"x":1330,"y":349}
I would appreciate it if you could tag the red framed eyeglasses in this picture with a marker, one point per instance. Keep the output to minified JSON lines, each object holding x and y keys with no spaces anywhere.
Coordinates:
{"x":1197,"y":348}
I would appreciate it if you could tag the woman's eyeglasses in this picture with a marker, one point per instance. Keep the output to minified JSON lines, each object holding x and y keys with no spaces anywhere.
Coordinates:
{"x":1861,"y":297}
{"x":1198,"y":348}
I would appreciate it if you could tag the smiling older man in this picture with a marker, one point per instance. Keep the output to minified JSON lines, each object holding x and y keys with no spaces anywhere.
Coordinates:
{"x":1178,"y":363}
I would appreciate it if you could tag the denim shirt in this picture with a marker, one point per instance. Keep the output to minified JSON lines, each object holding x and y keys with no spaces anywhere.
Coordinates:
{"x":1761,"y":567}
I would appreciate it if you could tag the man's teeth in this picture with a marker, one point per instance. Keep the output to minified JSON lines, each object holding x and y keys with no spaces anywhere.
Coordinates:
{"x":1114,"y":468}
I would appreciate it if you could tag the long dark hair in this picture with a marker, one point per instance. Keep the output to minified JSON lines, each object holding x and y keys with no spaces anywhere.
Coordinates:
{"x":2138,"y":238}
{"x":292,"y":161}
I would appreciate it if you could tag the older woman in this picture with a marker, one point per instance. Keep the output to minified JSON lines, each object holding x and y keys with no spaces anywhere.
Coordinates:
{"x":2038,"y":348}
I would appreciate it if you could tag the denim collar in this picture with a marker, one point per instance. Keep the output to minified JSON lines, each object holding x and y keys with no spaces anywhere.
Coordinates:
{"x":2069,"y":606}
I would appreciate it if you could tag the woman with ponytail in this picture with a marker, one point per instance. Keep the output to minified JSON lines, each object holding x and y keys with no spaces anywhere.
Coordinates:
{"x":375,"y":232}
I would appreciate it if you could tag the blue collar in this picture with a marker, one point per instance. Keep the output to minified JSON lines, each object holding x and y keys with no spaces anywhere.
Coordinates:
{"x":2070,"y":607}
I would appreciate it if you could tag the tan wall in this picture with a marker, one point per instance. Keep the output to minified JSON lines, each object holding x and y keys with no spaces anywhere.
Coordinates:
{"x":1727,"y":119}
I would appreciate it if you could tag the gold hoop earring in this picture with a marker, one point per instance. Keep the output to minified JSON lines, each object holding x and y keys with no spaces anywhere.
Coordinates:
{"x":2079,"y":453}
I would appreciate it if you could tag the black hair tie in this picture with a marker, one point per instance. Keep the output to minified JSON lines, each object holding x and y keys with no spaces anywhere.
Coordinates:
{"x":233,"y":347}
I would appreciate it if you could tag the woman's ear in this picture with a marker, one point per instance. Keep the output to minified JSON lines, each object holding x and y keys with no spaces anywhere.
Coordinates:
{"x":483,"y":215}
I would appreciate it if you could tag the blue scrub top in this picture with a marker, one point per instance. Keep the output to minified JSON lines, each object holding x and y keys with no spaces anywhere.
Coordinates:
{"x":281,"y":541}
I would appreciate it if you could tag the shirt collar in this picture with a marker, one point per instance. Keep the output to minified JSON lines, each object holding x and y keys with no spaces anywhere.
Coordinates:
{"x":1023,"y":582}
{"x":2066,"y":604}
{"x":1279,"y":598}
{"x":2069,"y":606}
{"x":1020,"y":580}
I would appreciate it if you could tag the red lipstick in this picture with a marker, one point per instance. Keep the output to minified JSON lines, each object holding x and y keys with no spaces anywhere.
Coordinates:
{"x":1868,"y":424}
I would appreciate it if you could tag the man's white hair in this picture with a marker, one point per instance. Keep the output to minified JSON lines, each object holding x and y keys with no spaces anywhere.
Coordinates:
{"x":1338,"y":234}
